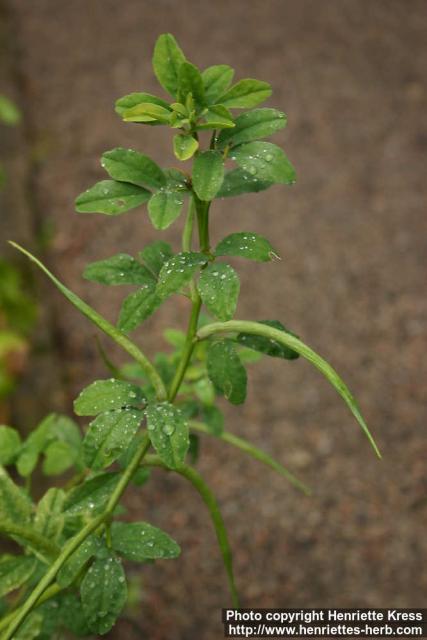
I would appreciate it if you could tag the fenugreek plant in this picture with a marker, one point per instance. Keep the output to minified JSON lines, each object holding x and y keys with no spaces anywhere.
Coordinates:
{"x":150,"y":413}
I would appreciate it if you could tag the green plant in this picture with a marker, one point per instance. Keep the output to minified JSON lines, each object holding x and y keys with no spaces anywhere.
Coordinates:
{"x":74,"y":539}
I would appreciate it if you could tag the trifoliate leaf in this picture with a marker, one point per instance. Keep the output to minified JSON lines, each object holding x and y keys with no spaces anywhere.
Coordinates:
{"x":167,"y":60}
{"x":119,"y":269}
{"x":103,"y":594}
{"x":208,"y":174}
{"x":226,"y":371}
{"x":252,"y":125}
{"x":216,"y":80}
{"x":111,"y":198}
{"x":177,"y":271}
{"x":105,"y":395}
{"x":246,"y":245}
{"x":265,"y":161}
{"x":219,"y":288}
{"x":127,"y":165}
{"x":168,"y":431}
{"x":267,"y":346}
{"x":109,"y":435}
{"x":140,"y":541}
{"x":245,"y":94}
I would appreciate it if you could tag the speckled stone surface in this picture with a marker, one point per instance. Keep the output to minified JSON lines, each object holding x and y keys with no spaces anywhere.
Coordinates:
{"x":352,"y":233}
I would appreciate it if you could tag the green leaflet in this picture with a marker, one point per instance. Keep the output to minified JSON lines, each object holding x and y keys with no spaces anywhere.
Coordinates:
{"x":245,"y":94}
{"x":167,"y":60}
{"x":49,"y":519}
{"x":117,"y":270}
{"x":58,"y":457}
{"x":216,"y":80}
{"x":208,"y":174}
{"x":77,"y":561}
{"x":155,"y":255}
{"x":103,"y":594}
{"x":190,"y":81}
{"x":111,"y":198}
{"x":15,"y":505}
{"x":127,"y":165}
{"x":164,"y":207}
{"x":109,"y":435}
{"x":219,"y":288}
{"x":72,"y":616}
{"x":14,"y":572}
{"x":132,"y":99}
{"x":177,"y":271}
{"x":226,"y":371}
{"x":105,"y":395}
{"x":91,"y":496}
{"x":252,"y":125}
{"x":140,"y":541}
{"x":247,"y":245}
{"x":184,"y":146}
{"x":9,"y":113}
{"x":265,"y":161}
{"x":238,"y":181}
{"x":30,"y":628}
{"x":10,"y":444}
{"x":137,"y":307}
{"x":149,"y":113}
{"x":213,"y":418}
{"x":216,"y":117}
{"x":168,"y":431}
{"x":268,"y":346}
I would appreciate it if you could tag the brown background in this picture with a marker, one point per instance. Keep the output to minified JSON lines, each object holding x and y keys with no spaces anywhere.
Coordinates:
{"x":352,"y":235}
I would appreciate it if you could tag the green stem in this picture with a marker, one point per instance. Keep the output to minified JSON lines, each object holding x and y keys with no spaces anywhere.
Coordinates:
{"x":75,"y":542}
{"x":118,"y":336}
{"x":210,"y":501}
{"x":256,"y":453}
{"x":27,"y":533}
{"x":282,"y":337}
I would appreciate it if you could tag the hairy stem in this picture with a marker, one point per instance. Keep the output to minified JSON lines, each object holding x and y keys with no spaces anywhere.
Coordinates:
{"x":118,"y":336}
{"x":75,"y":542}
{"x":256,"y":453}
{"x":210,"y":501}
{"x":282,"y":337}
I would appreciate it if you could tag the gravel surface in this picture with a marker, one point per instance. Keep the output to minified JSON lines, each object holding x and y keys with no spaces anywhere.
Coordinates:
{"x":350,"y":74}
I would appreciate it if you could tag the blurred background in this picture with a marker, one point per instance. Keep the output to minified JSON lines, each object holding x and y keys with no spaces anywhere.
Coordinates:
{"x":352,"y":233}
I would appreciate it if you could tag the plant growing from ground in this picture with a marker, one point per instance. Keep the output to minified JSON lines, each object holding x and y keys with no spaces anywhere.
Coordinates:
{"x":150,"y":414}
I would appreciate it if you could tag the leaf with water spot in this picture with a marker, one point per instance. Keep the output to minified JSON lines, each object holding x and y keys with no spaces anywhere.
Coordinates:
{"x":103,"y":594}
{"x":77,"y":561}
{"x":14,"y":572}
{"x":105,"y":395}
{"x":247,"y":245}
{"x":127,"y":165}
{"x":216,"y":80}
{"x":184,"y":146}
{"x":92,"y":496}
{"x":111,"y":198}
{"x":219,"y":288}
{"x":245,"y":94}
{"x":177,"y":271}
{"x":136,"y":308}
{"x":267,"y":346}
{"x":238,"y":181}
{"x":140,"y":541}
{"x":226,"y":371}
{"x":164,"y":207}
{"x":119,"y":269}
{"x":168,"y":431}
{"x":155,"y":254}
{"x":208,"y":174}
{"x":167,"y":60}
{"x":264,"y":161}
{"x":109,"y":435}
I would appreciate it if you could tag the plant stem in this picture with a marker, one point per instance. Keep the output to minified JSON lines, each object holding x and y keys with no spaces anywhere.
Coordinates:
{"x":118,"y":336}
{"x":75,"y":542}
{"x":288,"y":340}
{"x":210,"y":501}
{"x":253,"y":451}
